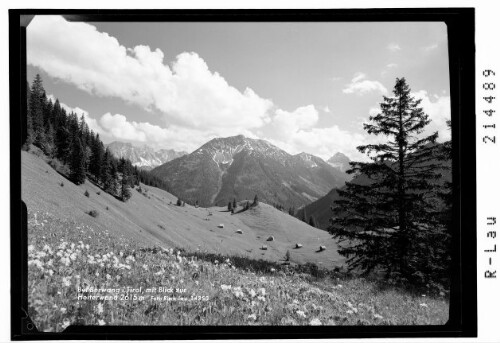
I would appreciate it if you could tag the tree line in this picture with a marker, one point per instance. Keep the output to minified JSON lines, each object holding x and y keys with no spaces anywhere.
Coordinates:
{"x":79,"y":151}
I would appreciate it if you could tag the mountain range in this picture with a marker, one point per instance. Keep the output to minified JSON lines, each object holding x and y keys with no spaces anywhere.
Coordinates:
{"x":240,"y":167}
{"x":144,"y":157}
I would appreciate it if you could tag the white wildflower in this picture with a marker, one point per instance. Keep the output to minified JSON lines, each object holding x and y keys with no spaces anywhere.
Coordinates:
{"x":301,"y":314}
{"x":252,"y":293}
{"x":101,"y":322}
{"x":225,"y":287}
{"x":262,"y":291}
{"x":424,"y":305}
{"x":252,"y":316}
{"x":66,"y":281}
{"x":65,"y":323}
{"x":315,"y":321}
{"x":63,"y":310}
{"x":100,"y":308}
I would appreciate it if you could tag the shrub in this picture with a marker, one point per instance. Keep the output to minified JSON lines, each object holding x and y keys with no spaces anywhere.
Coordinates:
{"x":62,"y":184}
{"x":179,"y":202}
{"x":287,"y":255}
{"x":93,"y":213}
{"x":87,"y":194}
{"x":98,"y":193}
{"x":107,"y":208}
{"x":58,"y":166}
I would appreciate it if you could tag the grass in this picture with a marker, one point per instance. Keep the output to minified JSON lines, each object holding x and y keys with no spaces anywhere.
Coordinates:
{"x":64,"y":255}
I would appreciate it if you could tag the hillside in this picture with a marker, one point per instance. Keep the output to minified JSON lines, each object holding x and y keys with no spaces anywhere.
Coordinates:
{"x":240,"y":167}
{"x":153,"y":218}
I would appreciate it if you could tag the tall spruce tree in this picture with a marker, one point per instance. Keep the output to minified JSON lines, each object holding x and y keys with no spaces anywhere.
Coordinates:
{"x":36,"y":111}
{"x":386,"y":219}
{"x":77,"y":163}
{"x":124,"y":169}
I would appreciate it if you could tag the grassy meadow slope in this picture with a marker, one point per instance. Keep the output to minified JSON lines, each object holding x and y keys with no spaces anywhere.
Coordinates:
{"x":153,"y":217}
{"x":73,"y":256}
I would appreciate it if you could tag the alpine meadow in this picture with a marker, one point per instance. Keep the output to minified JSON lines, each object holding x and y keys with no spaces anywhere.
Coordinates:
{"x":233,"y":177}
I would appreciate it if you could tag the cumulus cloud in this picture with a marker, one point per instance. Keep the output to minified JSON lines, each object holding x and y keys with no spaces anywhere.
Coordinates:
{"x":438,"y":107}
{"x":187,"y":93}
{"x":360,"y":85}
{"x":393,"y":47}
{"x":391,"y":65}
{"x":430,"y":47}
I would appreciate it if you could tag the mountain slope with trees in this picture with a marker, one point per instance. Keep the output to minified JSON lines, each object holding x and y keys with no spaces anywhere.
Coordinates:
{"x":74,"y":150}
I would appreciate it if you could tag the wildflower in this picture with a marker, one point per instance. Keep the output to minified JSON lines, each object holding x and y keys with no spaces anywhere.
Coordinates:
{"x":377,"y":316}
{"x":424,"y":305}
{"x":315,"y":321}
{"x":100,"y":308}
{"x":96,"y":273}
{"x":62,"y":309}
{"x":238,"y":292}
{"x":252,"y":316}
{"x":349,"y":312}
{"x":108,"y":277}
{"x":252,"y":293}
{"x":65,"y":323}
{"x":262,"y":291}
{"x":261,"y":298}
{"x":145,"y":267}
{"x":66,"y":281}
{"x":216,"y":262}
{"x":301,"y":313}
{"x":101,"y":322}
{"x":50,"y":272}
{"x":31,"y":248}
{"x":225,"y":287}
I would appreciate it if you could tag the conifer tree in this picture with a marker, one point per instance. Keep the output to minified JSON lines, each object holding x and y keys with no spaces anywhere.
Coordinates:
{"x":388,"y":215}
{"x":312,"y":221}
{"x":234,"y":203}
{"x":255,"y":200}
{"x":36,"y":107}
{"x":77,"y":163}
{"x":229,"y":206}
{"x":123,"y":168}
{"x":29,"y":120}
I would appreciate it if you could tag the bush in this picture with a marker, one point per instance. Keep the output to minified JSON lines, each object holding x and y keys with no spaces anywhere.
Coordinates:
{"x":287,"y":255}
{"x":98,"y":193}
{"x":58,"y":166}
{"x":87,"y":194}
{"x":62,"y":184}
{"x":107,"y":208}
{"x":93,"y":213}
{"x":179,"y":202}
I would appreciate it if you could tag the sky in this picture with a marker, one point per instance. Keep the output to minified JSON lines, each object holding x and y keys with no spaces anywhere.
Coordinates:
{"x":305,"y":87}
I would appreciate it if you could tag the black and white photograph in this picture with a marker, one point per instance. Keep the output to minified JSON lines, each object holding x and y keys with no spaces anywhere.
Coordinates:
{"x":239,"y":173}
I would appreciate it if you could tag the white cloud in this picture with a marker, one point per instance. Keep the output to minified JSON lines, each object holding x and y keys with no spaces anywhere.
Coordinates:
{"x":391,"y":65}
{"x":430,"y":47}
{"x":438,"y":107}
{"x":393,"y":47}
{"x":361,"y":86}
{"x":187,"y":93}
{"x":286,"y":124}
{"x":326,"y":109}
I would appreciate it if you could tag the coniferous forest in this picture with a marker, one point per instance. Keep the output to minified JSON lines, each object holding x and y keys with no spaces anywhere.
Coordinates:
{"x":76,"y":151}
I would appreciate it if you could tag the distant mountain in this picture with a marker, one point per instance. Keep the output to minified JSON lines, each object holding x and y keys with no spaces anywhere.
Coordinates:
{"x":321,"y":208}
{"x":339,"y":160}
{"x":143,"y":157}
{"x":240,"y":167}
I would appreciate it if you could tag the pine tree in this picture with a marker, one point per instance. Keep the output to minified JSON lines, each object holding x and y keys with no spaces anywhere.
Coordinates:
{"x":123,"y":168}
{"x":29,"y":120}
{"x":234,"y":203}
{"x":255,"y":200}
{"x":77,"y":164}
{"x":36,"y":107}
{"x":312,"y":221}
{"x":230,"y":206}
{"x":388,"y":215}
